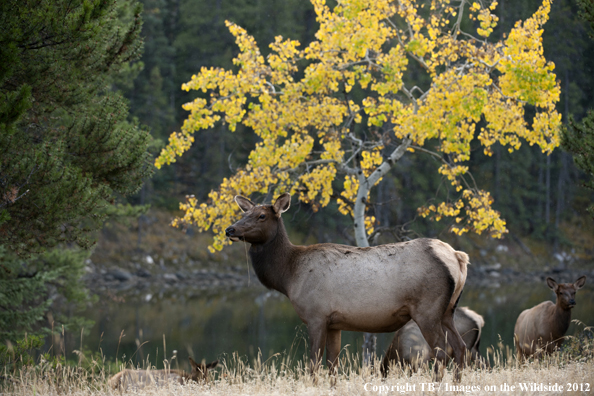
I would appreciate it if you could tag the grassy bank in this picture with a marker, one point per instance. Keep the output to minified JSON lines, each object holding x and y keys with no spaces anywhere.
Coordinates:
{"x":570,"y":371}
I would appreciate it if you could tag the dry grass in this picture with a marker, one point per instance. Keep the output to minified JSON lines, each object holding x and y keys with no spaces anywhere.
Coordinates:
{"x":280,"y":376}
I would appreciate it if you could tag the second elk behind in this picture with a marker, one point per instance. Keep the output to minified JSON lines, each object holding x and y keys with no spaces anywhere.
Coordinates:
{"x":410,"y":348}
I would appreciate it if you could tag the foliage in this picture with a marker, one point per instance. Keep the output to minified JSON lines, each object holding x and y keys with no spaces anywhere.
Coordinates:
{"x":180,"y":36}
{"x":40,"y":293}
{"x":65,"y":143}
{"x":342,"y":106}
{"x":21,"y":353}
{"x":587,"y":13}
{"x":24,"y":355}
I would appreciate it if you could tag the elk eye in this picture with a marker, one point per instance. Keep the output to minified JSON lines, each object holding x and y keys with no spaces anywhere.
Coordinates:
{"x":262,"y":216}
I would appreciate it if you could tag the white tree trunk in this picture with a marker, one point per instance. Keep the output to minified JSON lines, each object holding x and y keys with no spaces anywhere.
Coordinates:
{"x":365,"y":185}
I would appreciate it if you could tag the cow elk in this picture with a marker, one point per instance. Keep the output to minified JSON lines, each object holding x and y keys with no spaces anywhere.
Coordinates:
{"x":139,"y":379}
{"x":542,"y":328}
{"x":373,"y":289}
{"x":409,"y":348}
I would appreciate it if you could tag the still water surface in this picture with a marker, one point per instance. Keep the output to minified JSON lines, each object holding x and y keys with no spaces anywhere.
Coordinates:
{"x":215,"y":324}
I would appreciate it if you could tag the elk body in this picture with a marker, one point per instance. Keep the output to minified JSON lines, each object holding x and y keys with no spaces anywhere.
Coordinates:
{"x":410,"y":348}
{"x":337,"y":287}
{"x":541,"y":328}
{"x":129,"y":378}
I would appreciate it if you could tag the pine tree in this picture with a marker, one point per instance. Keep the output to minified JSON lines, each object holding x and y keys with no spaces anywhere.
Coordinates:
{"x":66,"y":145}
{"x":30,"y":288}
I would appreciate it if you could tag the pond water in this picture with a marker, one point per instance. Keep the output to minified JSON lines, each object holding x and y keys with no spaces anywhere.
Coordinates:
{"x":213,"y":324}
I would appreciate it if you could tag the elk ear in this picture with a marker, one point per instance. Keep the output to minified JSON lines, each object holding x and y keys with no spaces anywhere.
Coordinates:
{"x":578,"y":284}
{"x":552,"y":284}
{"x":212,"y":365}
{"x":282,"y":204}
{"x":244,"y":203}
{"x":193,"y":364}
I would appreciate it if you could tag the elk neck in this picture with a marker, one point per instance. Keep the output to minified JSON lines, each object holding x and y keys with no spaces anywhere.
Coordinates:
{"x":273,"y":260}
{"x":560,"y":320}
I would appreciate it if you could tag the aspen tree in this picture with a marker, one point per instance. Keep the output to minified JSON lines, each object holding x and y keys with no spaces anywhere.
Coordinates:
{"x":300,"y":102}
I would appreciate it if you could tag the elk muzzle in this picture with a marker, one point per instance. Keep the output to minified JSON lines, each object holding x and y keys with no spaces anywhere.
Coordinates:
{"x":230,"y":233}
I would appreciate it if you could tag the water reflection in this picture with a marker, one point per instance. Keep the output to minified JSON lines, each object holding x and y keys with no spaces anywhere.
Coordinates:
{"x":211,"y":325}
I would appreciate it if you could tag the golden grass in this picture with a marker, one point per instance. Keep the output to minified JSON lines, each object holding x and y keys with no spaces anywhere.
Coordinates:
{"x":279,"y":376}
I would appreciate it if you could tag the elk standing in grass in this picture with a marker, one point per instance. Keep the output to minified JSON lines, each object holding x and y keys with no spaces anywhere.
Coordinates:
{"x":410,"y":348}
{"x":337,"y":287}
{"x":541,"y":328}
{"x":140,"y":378}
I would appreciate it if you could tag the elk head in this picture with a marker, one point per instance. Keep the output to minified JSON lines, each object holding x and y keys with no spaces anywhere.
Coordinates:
{"x":200,"y":371}
{"x":259,"y":223}
{"x":566,"y":291}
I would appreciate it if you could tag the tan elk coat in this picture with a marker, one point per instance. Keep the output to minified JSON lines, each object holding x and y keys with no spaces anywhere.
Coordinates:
{"x":542,"y":328}
{"x":337,"y":287}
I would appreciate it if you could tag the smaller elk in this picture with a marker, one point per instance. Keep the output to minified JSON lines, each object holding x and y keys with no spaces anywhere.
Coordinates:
{"x":410,"y":348}
{"x":541,"y":328}
{"x":129,"y":378}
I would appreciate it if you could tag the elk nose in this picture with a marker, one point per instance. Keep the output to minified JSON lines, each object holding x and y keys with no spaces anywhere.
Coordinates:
{"x":572,"y":302}
{"x":229,"y":231}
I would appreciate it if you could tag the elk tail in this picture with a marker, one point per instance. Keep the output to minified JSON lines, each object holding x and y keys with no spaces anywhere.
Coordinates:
{"x":463,"y":260}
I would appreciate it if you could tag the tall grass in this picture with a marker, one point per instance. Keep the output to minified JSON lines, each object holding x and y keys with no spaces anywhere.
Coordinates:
{"x":287,"y":374}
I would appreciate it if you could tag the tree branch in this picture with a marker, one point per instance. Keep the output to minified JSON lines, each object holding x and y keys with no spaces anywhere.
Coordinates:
{"x":398,"y":232}
{"x":365,"y":185}
{"x":459,"y":21}
{"x":434,"y":154}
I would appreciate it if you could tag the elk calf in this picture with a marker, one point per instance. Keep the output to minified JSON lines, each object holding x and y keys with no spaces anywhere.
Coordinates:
{"x":410,"y":348}
{"x":140,"y":378}
{"x":541,"y":328}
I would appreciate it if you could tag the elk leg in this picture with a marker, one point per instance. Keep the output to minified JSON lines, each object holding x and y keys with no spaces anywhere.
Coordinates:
{"x":332,"y":350}
{"x":317,"y":338}
{"x":519,"y":350}
{"x":457,"y":344}
{"x":435,"y":337}
{"x":390,"y":355}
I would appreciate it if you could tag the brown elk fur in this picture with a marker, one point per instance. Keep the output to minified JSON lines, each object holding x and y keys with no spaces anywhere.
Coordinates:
{"x":129,"y":378}
{"x":408,"y":346}
{"x":542,"y":328}
{"x":337,"y":287}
